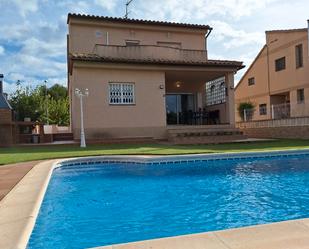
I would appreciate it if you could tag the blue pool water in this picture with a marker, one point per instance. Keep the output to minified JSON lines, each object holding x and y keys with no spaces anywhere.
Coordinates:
{"x":88,"y":206}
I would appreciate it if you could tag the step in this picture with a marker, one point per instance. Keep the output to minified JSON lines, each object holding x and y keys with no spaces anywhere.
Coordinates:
{"x":63,"y":137}
{"x":207,"y":139}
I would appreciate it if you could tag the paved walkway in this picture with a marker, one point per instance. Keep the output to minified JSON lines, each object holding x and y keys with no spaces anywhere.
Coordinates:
{"x":11,"y":174}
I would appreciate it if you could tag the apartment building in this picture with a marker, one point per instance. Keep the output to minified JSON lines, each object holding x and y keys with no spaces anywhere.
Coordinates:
{"x":277,"y":82}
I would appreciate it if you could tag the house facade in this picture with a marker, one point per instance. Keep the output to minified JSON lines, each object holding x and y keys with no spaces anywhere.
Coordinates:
{"x":145,"y":76}
{"x":277,"y":82}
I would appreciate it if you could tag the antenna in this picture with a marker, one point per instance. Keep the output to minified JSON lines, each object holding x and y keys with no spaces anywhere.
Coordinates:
{"x":127,"y":8}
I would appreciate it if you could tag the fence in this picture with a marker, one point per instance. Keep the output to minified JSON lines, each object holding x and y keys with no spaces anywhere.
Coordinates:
{"x":275,"y":112}
{"x":280,"y":115}
{"x":297,"y":121}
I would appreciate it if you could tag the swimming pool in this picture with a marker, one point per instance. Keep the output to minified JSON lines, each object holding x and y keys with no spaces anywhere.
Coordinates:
{"x":107,"y":203}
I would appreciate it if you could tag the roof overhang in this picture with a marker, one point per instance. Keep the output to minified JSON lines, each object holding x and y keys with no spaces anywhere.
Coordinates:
{"x":234,"y":65}
{"x":72,"y":16}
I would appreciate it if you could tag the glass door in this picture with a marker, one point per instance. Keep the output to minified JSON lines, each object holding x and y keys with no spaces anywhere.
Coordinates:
{"x":172,"y":109}
{"x":178,"y":106}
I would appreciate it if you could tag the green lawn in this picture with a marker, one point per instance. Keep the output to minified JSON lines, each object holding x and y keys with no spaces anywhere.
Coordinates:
{"x":30,"y":153}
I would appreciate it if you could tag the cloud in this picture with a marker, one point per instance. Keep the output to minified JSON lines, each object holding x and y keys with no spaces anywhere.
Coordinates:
{"x":2,"y":50}
{"x":9,"y":88}
{"x":40,"y":48}
{"x":72,"y":6}
{"x":106,"y":4}
{"x":235,"y":38}
{"x":26,"y":7}
{"x":198,"y":10}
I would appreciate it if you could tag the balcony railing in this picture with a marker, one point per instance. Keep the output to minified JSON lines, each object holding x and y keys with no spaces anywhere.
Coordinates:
{"x":151,"y":52}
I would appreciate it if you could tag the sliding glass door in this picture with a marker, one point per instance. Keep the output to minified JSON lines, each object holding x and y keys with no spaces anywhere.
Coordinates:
{"x":177,"y":105}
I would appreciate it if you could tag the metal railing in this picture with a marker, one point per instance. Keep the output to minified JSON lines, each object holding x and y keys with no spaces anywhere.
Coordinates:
{"x":150,"y":52}
{"x":287,"y":114}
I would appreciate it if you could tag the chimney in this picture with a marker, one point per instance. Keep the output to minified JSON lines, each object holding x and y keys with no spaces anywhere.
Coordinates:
{"x":1,"y":83}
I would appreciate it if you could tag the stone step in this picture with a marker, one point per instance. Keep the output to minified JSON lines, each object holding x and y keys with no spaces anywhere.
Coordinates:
{"x":207,"y":139}
{"x":63,"y":137}
{"x":205,"y":132}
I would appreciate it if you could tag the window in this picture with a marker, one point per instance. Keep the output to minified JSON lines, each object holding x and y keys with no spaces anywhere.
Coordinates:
{"x":263,"y":109}
{"x":299,"y":55}
{"x":251,"y":81}
{"x":132,"y":42}
{"x":215,"y":92}
{"x":121,"y":93}
{"x":280,"y":64}
{"x":300,"y":96}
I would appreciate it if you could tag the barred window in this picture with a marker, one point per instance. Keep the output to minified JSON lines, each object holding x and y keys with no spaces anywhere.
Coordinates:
{"x":121,"y":93}
{"x":299,"y":55}
{"x":300,"y":96}
{"x":215,"y":92}
{"x":263,"y":109}
{"x":251,"y":81}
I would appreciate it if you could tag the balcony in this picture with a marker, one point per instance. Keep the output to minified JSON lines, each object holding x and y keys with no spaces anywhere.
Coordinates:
{"x":151,"y":52}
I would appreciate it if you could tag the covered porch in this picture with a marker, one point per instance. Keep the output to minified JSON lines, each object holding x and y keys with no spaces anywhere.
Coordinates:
{"x":199,"y":98}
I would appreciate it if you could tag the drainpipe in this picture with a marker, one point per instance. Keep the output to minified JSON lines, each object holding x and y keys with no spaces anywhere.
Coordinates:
{"x":206,"y":36}
{"x":308,"y":36}
{"x":1,"y":83}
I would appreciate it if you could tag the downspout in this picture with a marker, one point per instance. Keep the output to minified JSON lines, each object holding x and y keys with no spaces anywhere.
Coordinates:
{"x":206,"y":36}
{"x":268,"y":77}
{"x":308,"y":37}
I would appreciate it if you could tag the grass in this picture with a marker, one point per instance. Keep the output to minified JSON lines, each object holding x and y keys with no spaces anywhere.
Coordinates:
{"x":31,"y":153}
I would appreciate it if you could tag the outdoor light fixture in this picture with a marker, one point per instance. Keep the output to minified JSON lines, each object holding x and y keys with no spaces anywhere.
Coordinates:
{"x":80,"y":94}
{"x":178,"y":84}
{"x":161,"y":86}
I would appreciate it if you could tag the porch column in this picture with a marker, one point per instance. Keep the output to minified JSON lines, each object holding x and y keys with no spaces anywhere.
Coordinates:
{"x":230,"y":99}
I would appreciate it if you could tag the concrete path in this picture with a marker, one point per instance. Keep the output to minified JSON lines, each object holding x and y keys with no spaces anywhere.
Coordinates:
{"x":11,"y":174}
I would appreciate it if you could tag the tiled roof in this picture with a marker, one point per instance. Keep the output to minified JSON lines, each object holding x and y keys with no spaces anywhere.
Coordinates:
{"x":4,"y":104}
{"x":97,"y":58}
{"x":137,"y":21}
{"x":287,"y":30}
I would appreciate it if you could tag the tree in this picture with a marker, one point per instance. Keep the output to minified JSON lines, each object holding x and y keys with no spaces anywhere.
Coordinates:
{"x":249,"y":107}
{"x":32,"y":103}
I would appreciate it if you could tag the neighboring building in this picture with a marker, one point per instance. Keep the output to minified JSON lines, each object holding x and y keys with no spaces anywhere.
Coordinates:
{"x":144,"y":76}
{"x":277,"y":82}
{"x":6,"y":131}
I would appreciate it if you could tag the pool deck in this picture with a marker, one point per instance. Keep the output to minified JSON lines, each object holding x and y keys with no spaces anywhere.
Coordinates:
{"x":26,"y":188}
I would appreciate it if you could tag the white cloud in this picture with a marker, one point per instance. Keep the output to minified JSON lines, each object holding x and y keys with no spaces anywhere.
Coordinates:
{"x":9,"y":88}
{"x":106,"y":4}
{"x":81,"y":7}
{"x":2,"y":50}
{"x":27,"y":6}
{"x":198,"y":10}
{"x":234,"y":38}
{"x":40,"y":48}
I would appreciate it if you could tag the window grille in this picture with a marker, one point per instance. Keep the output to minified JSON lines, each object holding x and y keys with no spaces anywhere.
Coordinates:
{"x":300,"y":96}
{"x":251,"y":81}
{"x":263,"y":109}
{"x":215,"y":91}
{"x":121,"y":93}
{"x":299,"y":55}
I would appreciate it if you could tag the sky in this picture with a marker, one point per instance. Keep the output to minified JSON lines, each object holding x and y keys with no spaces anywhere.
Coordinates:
{"x":33,"y":32}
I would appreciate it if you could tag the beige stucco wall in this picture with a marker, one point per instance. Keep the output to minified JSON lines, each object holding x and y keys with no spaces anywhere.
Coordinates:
{"x":283,"y":44}
{"x":268,"y":82}
{"x":83,"y":35}
{"x":146,"y":118}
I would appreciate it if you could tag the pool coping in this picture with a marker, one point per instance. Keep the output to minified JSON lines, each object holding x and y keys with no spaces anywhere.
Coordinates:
{"x":16,"y":224}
